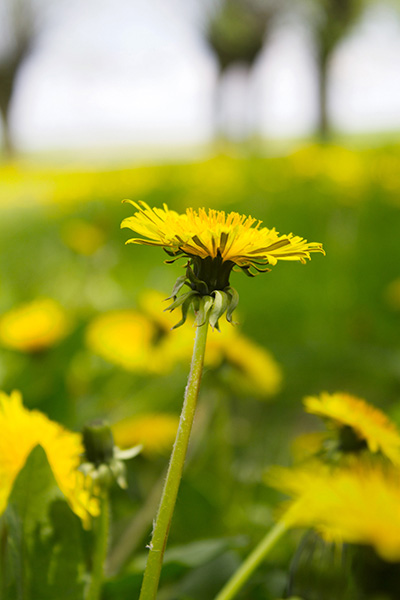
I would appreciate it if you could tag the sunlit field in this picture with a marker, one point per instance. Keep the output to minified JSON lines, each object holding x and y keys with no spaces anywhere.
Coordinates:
{"x":84,"y":336}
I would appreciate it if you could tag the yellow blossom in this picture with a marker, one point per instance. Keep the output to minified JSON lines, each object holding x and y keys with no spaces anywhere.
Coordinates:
{"x":156,"y":432}
{"x":368,"y":423}
{"x":254,"y":369}
{"x":21,"y":431}
{"x":235,"y":238}
{"x":358,"y":504}
{"x":125,"y":338}
{"x":33,"y":326}
{"x":214,"y":243}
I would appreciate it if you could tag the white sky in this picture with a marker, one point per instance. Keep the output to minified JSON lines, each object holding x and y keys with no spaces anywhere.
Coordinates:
{"x":114,"y":73}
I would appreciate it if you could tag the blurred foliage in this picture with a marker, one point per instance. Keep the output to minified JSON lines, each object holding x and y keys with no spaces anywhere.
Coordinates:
{"x":236,"y":30}
{"x":331,"y":325}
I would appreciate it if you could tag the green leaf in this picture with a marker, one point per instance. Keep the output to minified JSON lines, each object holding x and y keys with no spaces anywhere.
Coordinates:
{"x":43,"y":557}
{"x":34,"y":489}
{"x":57,"y":559}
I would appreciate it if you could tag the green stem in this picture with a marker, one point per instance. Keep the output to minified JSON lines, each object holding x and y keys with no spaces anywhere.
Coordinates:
{"x":100,"y":548}
{"x":251,"y":563}
{"x":174,"y":474}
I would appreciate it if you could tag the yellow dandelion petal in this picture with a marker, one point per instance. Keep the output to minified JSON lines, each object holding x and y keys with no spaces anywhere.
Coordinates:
{"x":21,"y":431}
{"x":357,"y":504}
{"x":33,"y":326}
{"x":369,"y":423}
{"x":156,"y":432}
{"x":234,"y":237}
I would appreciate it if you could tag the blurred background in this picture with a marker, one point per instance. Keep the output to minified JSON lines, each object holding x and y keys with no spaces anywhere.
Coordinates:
{"x":285,"y":110}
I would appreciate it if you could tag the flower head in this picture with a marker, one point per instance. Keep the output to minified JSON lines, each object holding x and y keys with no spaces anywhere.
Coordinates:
{"x":354,"y":416}
{"x":251,"y":368}
{"x":126,"y":338}
{"x":33,"y":326}
{"x":156,"y":432}
{"x":21,"y":431}
{"x":214,"y":243}
{"x":103,"y":459}
{"x":357,"y":504}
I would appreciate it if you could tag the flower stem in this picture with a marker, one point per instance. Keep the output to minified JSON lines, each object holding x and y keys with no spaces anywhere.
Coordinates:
{"x":239,"y":578}
{"x":100,"y":548}
{"x":174,"y":474}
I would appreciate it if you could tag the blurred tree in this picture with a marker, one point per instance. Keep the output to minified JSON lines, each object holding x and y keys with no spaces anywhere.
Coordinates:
{"x":330,"y":21}
{"x":18,"y":31}
{"x":236,"y":31}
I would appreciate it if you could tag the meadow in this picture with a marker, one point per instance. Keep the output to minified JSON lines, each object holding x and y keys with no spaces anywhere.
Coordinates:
{"x":330,"y":325}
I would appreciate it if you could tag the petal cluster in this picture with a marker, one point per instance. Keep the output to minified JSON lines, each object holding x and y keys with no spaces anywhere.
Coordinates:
{"x":358,"y":504}
{"x":21,"y":431}
{"x":155,"y":431}
{"x":33,"y":326}
{"x":368,"y":423}
{"x":213,"y":233}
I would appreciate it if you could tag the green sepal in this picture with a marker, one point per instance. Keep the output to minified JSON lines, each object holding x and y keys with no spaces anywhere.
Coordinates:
{"x":201,"y":285}
{"x":185,"y":308}
{"x":179,"y":283}
{"x":181,"y":300}
{"x":205,"y":304}
{"x":219,"y":306}
{"x":234,"y":301}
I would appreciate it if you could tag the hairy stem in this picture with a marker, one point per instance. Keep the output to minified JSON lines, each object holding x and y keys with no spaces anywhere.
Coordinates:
{"x":174,"y":474}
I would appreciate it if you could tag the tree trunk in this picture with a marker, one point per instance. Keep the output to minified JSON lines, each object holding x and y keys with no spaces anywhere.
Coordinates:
{"x":323,"y":123}
{"x":8,"y":145}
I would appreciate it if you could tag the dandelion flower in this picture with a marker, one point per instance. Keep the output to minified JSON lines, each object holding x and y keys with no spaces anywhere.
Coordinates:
{"x":368,"y":423}
{"x":214,"y":243}
{"x":253,"y":368}
{"x":34,"y":326}
{"x":156,"y":432}
{"x":359,"y":504}
{"x":21,"y":431}
{"x":125,"y":338}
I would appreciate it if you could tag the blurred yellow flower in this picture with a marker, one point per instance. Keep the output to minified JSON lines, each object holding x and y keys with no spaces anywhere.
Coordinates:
{"x":254,"y":369}
{"x":156,"y":432}
{"x":125,"y":338}
{"x":152,"y":304}
{"x":82,"y":237}
{"x":21,"y":431}
{"x":367,"y":422}
{"x":359,"y":504}
{"x":33,"y":326}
